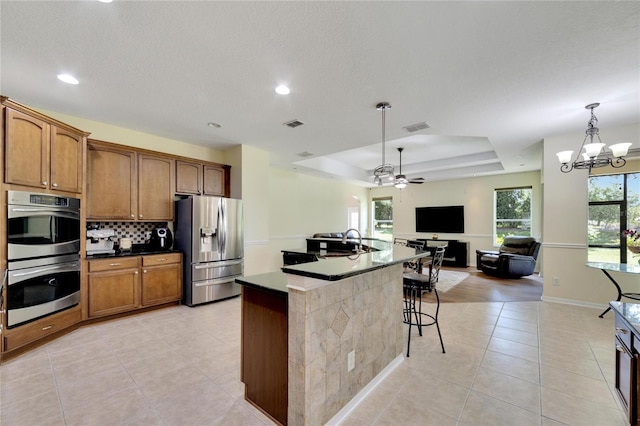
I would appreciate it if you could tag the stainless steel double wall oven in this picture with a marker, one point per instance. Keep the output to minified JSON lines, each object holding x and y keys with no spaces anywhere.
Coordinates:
{"x":43,"y":253}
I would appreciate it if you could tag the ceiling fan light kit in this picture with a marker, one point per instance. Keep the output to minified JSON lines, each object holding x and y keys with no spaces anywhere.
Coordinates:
{"x":401,"y":180}
{"x":592,"y":149}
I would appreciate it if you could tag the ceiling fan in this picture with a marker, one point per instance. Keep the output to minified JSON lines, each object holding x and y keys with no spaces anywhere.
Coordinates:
{"x":401,"y":180}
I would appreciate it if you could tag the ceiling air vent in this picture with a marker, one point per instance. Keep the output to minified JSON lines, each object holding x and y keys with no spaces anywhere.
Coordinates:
{"x":294,"y":123}
{"x":416,"y":127}
{"x":305,"y":154}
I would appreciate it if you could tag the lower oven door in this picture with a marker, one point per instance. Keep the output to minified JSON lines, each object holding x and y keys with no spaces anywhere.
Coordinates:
{"x":40,"y":287}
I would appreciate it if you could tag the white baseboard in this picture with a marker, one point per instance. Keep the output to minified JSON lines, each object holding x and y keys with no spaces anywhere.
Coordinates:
{"x":574,"y":302}
{"x":360,"y":396}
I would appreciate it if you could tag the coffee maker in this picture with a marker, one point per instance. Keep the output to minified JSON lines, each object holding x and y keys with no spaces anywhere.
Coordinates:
{"x":161,"y":239}
{"x":100,"y":241}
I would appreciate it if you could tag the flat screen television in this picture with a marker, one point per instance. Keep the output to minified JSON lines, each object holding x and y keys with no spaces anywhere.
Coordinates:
{"x":445,"y":219}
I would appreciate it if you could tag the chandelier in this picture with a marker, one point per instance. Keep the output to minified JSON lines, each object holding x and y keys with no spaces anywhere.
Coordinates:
{"x":590,"y":158}
{"x":384,"y":170}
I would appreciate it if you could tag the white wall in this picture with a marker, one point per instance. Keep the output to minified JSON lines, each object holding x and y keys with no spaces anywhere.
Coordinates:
{"x":565,"y":226}
{"x":475,"y":194}
{"x":301,"y":205}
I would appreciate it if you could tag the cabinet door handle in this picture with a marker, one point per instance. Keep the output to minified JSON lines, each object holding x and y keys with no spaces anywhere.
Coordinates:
{"x":55,"y":185}
{"x":140,"y":216}
{"x":47,"y":327}
{"x":114,"y":264}
{"x":44,"y":183}
{"x":135,"y":273}
{"x":621,"y":330}
{"x":133,"y":216}
{"x":145,"y":271}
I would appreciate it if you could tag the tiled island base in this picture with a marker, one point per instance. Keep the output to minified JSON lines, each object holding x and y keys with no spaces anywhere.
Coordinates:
{"x":328,"y":320}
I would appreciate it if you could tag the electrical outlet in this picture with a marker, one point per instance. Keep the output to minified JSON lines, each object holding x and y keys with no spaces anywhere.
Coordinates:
{"x":556,"y":281}
{"x":351,"y":360}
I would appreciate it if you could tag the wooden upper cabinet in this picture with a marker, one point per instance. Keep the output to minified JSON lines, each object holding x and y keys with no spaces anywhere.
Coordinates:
{"x":111,"y":179}
{"x":155,"y":188}
{"x":42,"y":155}
{"x":214,"y":181}
{"x":201,"y":179}
{"x":188,"y":177}
{"x":66,"y":160}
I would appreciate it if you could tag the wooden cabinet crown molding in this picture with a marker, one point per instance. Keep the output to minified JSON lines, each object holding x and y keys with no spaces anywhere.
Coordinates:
{"x":5,"y":101}
{"x":121,"y":147}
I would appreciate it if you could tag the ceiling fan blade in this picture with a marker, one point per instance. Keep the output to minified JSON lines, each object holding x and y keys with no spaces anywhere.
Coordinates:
{"x":417,"y":180}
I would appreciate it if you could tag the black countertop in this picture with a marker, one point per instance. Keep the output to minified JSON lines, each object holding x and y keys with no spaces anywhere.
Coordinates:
{"x":274,"y":281}
{"x":140,"y":250}
{"x":334,"y":268}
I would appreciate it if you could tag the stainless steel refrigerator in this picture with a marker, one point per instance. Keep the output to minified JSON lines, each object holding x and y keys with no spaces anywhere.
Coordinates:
{"x":209,"y":231}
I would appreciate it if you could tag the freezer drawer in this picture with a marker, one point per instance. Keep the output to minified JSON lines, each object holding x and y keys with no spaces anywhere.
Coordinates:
{"x":210,"y":290}
{"x":216,"y":270}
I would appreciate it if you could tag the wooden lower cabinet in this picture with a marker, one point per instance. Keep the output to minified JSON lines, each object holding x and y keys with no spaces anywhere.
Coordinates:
{"x":264,"y":358}
{"x":41,"y":328}
{"x":626,"y":372}
{"x":161,"y":279}
{"x":124,"y":284}
{"x":114,"y":286}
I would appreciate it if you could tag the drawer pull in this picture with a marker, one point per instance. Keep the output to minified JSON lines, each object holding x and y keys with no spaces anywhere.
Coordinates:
{"x":114,"y":264}
{"x":621,"y":330}
{"x":47,"y":327}
{"x":136,"y":273}
{"x":162,"y":260}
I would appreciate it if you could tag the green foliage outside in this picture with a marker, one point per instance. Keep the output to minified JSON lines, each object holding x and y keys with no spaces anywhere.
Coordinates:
{"x":383,"y":219}
{"x":513,"y":213}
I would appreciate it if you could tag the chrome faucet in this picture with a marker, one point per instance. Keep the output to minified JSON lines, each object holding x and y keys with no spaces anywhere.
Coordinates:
{"x":344,"y":238}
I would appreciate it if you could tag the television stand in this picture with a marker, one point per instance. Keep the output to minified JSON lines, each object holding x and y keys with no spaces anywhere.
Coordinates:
{"x":456,"y":253}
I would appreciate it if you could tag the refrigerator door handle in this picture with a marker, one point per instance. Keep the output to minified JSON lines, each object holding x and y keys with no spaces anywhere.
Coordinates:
{"x":215,"y":281}
{"x":222,"y":240}
{"x":219,"y":264}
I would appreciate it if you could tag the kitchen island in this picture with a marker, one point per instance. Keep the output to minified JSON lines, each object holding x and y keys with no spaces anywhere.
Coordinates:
{"x":316,"y":334}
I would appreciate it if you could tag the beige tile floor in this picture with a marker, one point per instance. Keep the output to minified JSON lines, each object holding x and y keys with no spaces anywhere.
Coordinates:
{"x":527,"y":363}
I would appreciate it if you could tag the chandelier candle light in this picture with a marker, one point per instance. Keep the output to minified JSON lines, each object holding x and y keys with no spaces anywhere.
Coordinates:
{"x":590,"y":158}
{"x":385,"y":170}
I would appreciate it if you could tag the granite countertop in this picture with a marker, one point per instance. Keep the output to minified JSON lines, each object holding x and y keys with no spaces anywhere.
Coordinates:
{"x":338,"y":268}
{"x":276,"y":281}
{"x":332,"y":268}
{"x":630,"y":312}
{"x":136,"y":250}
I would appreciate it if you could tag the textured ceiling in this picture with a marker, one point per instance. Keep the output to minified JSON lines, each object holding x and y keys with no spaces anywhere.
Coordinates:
{"x":492,"y":79}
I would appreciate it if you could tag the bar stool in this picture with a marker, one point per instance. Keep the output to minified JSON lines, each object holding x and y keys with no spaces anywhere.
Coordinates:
{"x":414,"y":284}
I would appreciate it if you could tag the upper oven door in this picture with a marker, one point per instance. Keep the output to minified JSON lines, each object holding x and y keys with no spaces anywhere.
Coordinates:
{"x":41,"y":231}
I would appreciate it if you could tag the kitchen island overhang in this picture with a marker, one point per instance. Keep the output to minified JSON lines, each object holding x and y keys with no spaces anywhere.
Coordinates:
{"x":336,"y":309}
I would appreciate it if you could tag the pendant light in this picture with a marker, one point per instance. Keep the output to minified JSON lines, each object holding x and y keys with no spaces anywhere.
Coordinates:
{"x":384,"y":170}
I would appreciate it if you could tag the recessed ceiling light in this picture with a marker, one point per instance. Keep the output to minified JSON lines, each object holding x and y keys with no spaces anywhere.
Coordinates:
{"x":282,"y":90}
{"x":105,"y":1}
{"x":67,"y":78}
{"x":214,"y":125}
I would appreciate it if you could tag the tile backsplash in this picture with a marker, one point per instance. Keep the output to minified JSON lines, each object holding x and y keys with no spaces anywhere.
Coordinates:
{"x":135,"y":230}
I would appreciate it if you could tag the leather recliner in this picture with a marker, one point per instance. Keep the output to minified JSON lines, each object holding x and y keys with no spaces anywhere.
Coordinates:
{"x":516,"y":258}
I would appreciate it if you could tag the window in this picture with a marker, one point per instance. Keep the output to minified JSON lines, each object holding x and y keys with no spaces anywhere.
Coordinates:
{"x":512,"y":213}
{"x":383,"y":218}
{"x":614,"y":206}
